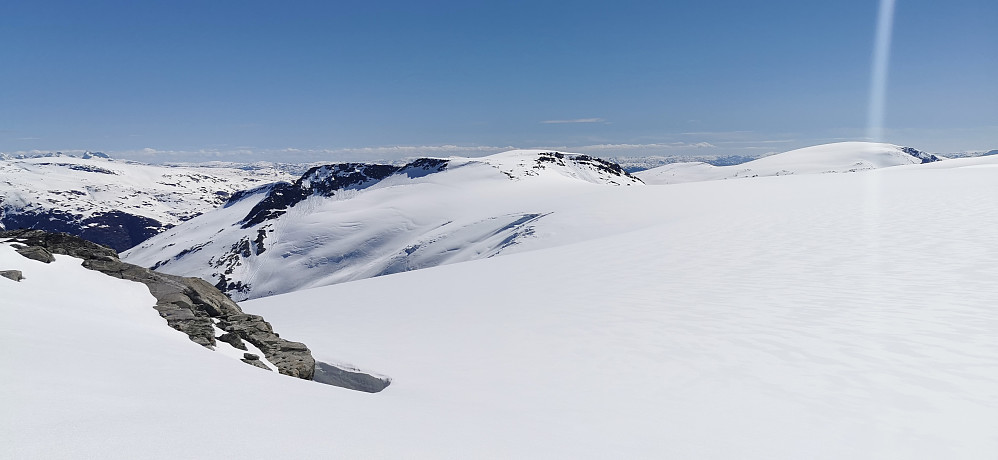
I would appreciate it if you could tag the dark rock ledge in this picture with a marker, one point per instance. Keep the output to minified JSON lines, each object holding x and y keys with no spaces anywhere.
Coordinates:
{"x":193,"y":306}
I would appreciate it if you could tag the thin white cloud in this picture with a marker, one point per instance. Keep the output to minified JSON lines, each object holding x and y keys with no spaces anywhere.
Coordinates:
{"x":447,"y":149}
{"x":577,"y":120}
{"x":715,"y":133}
{"x":771,"y":141}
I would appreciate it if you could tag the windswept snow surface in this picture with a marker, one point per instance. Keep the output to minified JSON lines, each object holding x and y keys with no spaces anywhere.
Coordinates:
{"x":359,"y":221}
{"x":828,"y":158}
{"x":825,"y":316}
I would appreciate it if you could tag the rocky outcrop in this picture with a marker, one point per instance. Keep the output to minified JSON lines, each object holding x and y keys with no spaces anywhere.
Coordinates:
{"x":61,"y":243}
{"x":35,"y":253}
{"x":190,"y":305}
{"x":291,"y":358}
{"x":232,"y":339}
{"x":254,"y":360}
{"x":12,"y":274}
{"x":923,"y":156}
{"x":326,"y":181}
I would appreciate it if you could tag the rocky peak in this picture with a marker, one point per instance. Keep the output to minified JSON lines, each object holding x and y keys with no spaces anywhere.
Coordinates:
{"x":925,"y":157}
{"x":327,"y":180}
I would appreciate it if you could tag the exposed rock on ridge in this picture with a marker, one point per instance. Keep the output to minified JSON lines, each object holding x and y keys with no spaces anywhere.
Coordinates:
{"x":189,"y":305}
{"x":328,"y":179}
{"x":923,"y":156}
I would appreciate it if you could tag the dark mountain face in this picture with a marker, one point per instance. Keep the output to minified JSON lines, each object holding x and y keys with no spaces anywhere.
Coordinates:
{"x":117,"y":230}
{"x":327,"y":180}
{"x":925,"y":157}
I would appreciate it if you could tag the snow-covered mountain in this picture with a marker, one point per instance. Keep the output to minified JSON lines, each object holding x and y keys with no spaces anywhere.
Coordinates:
{"x":828,"y":158}
{"x":350,"y":221}
{"x":113,"y":202}
{"x":825,"y":316}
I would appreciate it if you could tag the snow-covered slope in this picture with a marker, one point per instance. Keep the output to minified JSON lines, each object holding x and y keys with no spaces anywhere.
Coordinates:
{"x":113,"y":202}
{"x":827,"y":158}
{"x":350,"y":221}
{"x":829,"y":316}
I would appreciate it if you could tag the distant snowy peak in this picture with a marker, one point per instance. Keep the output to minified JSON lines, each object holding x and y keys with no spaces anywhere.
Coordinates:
{"x":89,"y":155}
{"x":828,"y":158}
{"x":519,"y":164}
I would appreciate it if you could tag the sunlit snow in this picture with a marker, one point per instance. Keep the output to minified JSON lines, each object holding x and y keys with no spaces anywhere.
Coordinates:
{"x":775,"y":317}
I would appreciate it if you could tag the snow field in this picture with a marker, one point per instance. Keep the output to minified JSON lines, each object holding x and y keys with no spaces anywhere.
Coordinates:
{"x":821,"y":316}
{"x":784,"y":324}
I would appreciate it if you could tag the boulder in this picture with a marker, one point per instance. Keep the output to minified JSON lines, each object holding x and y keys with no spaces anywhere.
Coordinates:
{"x":254,"y":360}
{"x":352,"y":379}
{"x":12,"y":274}
{"x":232,"y":339}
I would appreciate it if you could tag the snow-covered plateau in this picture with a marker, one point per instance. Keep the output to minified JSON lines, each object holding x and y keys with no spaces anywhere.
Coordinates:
{"x":794,"y":316}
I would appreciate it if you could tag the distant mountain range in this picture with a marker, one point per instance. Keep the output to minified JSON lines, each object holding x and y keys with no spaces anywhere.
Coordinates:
{"x":115,"y":203}
{"x":246,"y":227}
{"x":350,"y":221}
{"x":800,"y":315}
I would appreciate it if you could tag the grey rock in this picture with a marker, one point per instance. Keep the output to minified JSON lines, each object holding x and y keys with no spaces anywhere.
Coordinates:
{"x":354,"y":380}
{"x":291,"y":358}
{"x":36,"y":253}
{"x":61,"y":243}
{"x":254,"y":360}
{"x":12,"y":274}
{"x":232,"y":339}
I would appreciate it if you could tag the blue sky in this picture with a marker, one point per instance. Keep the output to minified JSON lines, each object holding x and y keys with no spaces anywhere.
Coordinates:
{"x":292,"y":81}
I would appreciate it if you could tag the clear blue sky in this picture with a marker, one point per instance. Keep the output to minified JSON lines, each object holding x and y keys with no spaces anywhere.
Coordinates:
{"x":289,"y":81}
